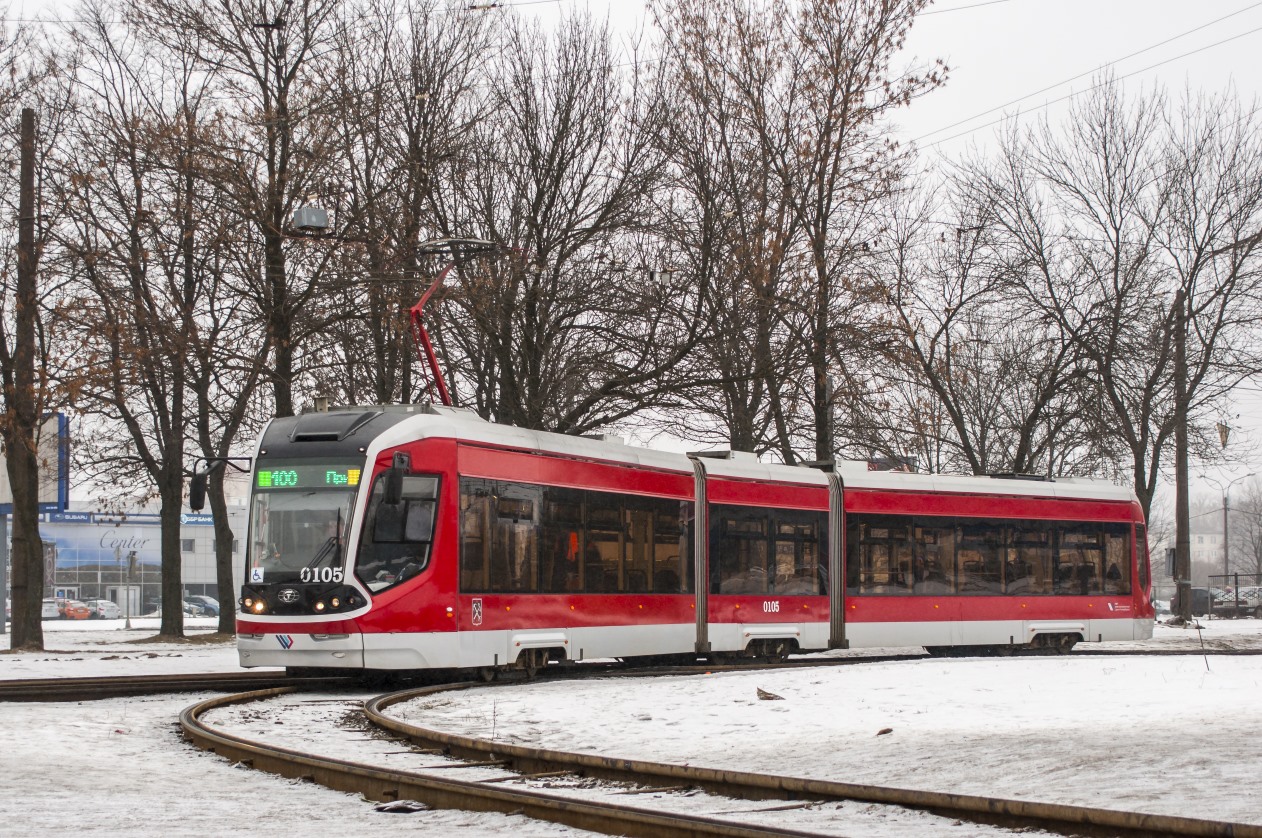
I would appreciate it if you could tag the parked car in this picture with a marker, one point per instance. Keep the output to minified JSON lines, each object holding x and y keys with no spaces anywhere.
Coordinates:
{"x":1202,"y":602}
{"x":76,"y":610}
{"x":50,"y":610}
{"x":209,"y":605}
{"x":194,"y":609}
{"x":103,"y":609}
{"x":1245,"y":601}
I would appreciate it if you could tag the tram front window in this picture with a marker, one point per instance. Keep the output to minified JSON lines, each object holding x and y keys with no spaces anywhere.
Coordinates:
{"x":395,"y":543}
{"x":299,"y":536}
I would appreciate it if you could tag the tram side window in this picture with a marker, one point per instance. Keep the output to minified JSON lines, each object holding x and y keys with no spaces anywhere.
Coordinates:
{"x":561,"y":540}
{"x":514,"y":548}
{"x":933,"y":560}
{"x":738,"y":550}
{"x":1080,"y":559}
{"x":766,"y":551}
{"x":1141,"y":553}
{"x":980,"y":558}
{"x":1029,"y":568}
{"x":1117,"y":559}
{"x":518,"y":537}
{"x":972,"y":556}
{"x":606,"y":541}
{"x":800,"y":552}
{"x":672,"y":545}
{"x":396,"y":539}
{"x":476,"y":510}
{"x":880,"y":555}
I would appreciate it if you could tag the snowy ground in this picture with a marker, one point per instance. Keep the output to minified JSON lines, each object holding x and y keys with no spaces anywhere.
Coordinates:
{"x":1172,"y":735}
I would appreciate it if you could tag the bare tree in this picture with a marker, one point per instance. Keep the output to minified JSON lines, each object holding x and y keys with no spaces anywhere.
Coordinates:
{"x":724,"y":216}
{"x":265,"y":54}
{"x":1125,"y":223}
{"x":565,"y":332}
{"x":816,"y":82}
{"x":1010,"y":384}
{"x":30,"y":83}
{"x":134,"y":241}
{"x":409,"y":75}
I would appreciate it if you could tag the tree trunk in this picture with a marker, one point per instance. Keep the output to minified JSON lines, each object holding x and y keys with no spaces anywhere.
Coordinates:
{"x":22,"y":417}
{"x":171,"y":491}
{"x":223,"y":553}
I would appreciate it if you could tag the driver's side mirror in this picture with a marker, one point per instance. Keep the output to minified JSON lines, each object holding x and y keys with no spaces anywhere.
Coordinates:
{"x":394,"y":479}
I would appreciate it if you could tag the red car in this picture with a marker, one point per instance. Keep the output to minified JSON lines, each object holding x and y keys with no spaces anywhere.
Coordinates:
{"x":73,"y":609}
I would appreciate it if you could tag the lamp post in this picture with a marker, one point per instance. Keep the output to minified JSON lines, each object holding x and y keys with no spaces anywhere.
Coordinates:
{"x":1226,"y":490}
{"x":131,"y":566}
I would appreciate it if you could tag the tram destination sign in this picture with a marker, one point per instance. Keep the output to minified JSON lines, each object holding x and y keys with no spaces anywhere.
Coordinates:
{"x":307,"y":475}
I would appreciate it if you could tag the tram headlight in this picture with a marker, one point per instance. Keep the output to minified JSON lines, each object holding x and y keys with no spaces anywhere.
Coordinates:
{"x":259,"y":606}
{"x":319,"y":606}
{"x":335,"y":602}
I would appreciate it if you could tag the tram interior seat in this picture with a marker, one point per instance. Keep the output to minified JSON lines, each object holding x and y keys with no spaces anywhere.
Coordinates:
{"x":666,"y":581}
{"x":752,"y":581}
{"x":796,"y":586}
{"x":637,"y":581}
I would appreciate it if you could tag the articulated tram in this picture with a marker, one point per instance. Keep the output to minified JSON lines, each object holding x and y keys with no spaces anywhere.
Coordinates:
{"x":420,"y":537}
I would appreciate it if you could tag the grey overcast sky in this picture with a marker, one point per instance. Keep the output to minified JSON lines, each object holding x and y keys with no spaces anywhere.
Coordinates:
{"x":1003,"y":50}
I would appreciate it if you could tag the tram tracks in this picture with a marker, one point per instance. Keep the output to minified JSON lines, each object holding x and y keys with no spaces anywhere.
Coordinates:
{"x":507,"y":770}
{"x":128,"y":686}
{"x":101,"y":687}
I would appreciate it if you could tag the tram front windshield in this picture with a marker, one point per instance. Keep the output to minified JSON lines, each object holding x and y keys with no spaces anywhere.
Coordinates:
{"x":299,"y":528}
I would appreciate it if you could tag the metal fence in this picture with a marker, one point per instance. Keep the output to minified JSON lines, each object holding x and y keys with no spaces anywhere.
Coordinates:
{"x":1236,"y":594}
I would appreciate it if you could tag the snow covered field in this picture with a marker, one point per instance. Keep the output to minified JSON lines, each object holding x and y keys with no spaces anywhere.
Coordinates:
{"x":1173,"y":735}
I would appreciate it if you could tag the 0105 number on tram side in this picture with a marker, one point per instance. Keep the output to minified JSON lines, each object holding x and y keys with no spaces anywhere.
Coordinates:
{"x":423,"y":537}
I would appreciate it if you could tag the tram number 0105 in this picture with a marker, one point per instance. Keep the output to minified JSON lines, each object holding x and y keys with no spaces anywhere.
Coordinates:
{"x":771,"y":607}
{"x":321,"y":574}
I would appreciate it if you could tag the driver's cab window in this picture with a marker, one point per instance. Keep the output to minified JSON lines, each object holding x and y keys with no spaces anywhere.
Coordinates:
{"x":396,"y":541}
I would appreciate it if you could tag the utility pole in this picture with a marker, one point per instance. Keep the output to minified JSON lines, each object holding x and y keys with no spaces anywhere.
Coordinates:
{"x":1182,"y":518}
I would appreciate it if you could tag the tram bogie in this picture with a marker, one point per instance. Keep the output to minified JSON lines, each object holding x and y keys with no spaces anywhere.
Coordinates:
{"x":422,"y":539}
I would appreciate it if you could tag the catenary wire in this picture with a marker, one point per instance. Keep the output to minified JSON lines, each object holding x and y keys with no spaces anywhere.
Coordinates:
{"x":1087,"y":72}
{"x":1098,"y":85}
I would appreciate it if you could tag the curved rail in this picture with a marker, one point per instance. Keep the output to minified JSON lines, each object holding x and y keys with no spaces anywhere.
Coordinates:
{"x":125,"y":686}
{"x":388,"y":785}
{"x":1009,"y":813}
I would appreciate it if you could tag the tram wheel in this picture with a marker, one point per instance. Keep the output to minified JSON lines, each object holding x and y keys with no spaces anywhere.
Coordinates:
{"x":487,"y":674}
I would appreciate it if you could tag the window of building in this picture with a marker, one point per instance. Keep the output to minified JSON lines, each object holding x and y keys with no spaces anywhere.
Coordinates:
{"x":188,"y":545}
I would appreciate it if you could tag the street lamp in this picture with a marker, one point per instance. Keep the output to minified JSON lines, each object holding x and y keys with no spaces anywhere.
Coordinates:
{"x":1226,"y":490}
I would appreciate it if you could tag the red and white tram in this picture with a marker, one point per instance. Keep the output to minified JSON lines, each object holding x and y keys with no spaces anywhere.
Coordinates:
{"x":419,"y":537}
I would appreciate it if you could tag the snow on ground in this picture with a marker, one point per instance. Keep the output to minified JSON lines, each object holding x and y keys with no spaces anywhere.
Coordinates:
{"x":1173,"y":735}
{"x":75,"y":649}
{"x":1153,"y":734}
